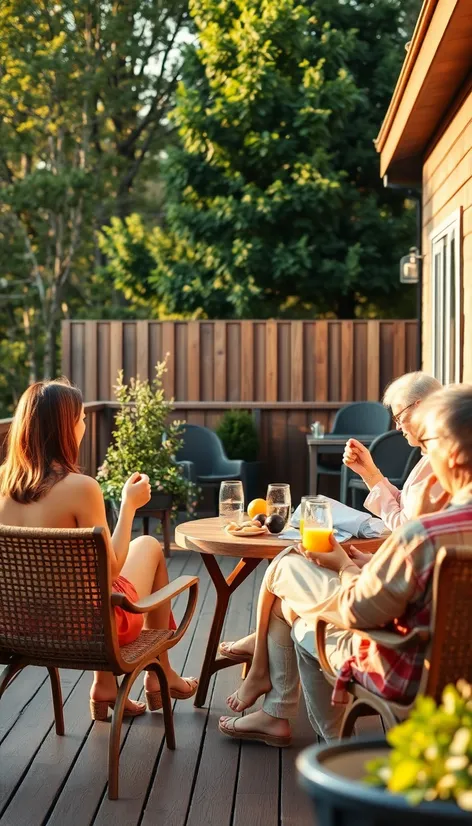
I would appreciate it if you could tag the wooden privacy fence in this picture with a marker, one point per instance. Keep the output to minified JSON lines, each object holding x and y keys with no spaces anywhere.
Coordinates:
{"x":288,"y":373}
{"x":247,"y":361}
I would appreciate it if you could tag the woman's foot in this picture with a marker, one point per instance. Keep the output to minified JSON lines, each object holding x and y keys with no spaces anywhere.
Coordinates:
{"x":180,"y":687}
{"x":242,"y":649}
{"x":253,"y":687}
{"x":257,"y":726}
{"x":104,"y":690}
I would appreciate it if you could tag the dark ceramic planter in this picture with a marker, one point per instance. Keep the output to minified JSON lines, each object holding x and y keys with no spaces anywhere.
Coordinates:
{"x":332,"y":775}
{"x":157,"y":502}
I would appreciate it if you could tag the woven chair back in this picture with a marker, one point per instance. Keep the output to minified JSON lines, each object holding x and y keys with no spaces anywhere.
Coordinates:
{"x":55,"y":596}
{"x":451,"y":645}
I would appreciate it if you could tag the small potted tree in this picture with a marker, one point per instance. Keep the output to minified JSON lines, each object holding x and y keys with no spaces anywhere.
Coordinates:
{"x":420,"y":774}
{"x":146,"y":441}
{"x":238,"y":433}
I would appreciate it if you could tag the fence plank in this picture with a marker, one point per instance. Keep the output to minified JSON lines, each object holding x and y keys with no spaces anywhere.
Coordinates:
{"x":168,"y":347}
{"x":296,"y":365}
{"x":193,"y":361}
{"x":219,"y":392}
{"x":247,"y":361}
{"x":142,"y":350}
{"x":347,"y":359}
{"x":116,"y":351}
{"x":321,"y":360}
{"x":65,"y":349}
{"x":271,"y":361}
{"x":373,"y":361}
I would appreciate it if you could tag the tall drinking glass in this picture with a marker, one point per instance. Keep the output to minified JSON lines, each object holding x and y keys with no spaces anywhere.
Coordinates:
{"x":279,"y":501}
{"x":303,"y":502}
{"x":231,"y":502}
{"x":318,"y":525}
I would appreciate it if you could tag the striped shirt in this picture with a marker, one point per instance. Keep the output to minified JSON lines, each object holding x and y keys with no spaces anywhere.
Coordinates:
{"x":394,"y":592}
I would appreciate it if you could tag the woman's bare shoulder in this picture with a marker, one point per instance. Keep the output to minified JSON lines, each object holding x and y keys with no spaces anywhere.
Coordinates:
{"x":79,"y":484}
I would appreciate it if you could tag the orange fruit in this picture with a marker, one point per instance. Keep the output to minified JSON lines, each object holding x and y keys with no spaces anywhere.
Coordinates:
{"x":256,"y":507}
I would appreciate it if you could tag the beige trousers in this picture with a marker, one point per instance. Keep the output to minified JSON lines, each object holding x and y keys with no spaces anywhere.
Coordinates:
{"x":303,"y":588}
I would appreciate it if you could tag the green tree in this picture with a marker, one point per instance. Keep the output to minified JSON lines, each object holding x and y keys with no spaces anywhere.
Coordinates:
{"x":85,"y":90}
{"x":274,"y":201}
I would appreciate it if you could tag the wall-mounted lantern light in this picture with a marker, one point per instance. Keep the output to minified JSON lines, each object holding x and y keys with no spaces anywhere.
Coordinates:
{"x":409,"y":267}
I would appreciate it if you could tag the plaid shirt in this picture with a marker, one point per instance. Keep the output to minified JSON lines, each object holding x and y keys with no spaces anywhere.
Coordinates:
{"x":394,"y":592}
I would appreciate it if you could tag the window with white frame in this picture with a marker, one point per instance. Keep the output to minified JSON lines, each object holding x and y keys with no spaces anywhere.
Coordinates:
{"x":446,"y":299}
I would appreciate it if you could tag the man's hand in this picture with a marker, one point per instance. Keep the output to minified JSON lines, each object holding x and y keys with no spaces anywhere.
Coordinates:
{"x":358,"y":556}
{"x":425,"y":503}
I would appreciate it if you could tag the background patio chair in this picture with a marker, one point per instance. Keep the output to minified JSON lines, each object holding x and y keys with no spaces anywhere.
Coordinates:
{"x":203,"y":449}
{"x":394,"y":457}
{"x":56,"y":610}
{"x":355,"y":419}
{"x":448,"y":655}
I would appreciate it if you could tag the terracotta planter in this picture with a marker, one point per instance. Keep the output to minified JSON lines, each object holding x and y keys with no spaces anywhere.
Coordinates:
{"x":333,"y":777}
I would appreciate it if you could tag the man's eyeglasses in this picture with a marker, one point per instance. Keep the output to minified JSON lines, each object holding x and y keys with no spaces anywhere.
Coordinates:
{"x":396,"y":418}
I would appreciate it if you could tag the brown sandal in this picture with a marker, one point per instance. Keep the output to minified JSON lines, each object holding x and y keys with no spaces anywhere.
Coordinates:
{"x":99,"y":709}
{"x":259,"y":736}
{"x":233,"y":655}
{"x":154,"y":698}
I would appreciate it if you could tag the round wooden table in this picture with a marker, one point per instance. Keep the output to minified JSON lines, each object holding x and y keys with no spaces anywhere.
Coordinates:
{"x":208,"y":538}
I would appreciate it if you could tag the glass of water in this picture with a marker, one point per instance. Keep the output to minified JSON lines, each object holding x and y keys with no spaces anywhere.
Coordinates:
{"x":279,"y":501}
{"x":231,"y":502}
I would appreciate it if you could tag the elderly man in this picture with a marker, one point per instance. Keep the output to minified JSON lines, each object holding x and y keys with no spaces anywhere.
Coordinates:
{"x":392,"y":588}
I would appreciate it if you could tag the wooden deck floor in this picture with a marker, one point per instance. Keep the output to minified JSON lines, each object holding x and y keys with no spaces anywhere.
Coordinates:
{"x":206,"y":781}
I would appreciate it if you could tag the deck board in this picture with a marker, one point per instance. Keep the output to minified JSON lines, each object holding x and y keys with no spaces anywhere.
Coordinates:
{"x":208,"y":780}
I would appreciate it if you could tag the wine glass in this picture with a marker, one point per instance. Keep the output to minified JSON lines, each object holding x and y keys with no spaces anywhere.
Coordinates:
{"x":231,"y":507}
{"x":317,"y":525}
{"x":279,"y":501}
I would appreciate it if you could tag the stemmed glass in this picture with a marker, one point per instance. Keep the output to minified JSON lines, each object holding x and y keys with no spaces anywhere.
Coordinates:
{"x":231,"y":505}
{"x":317,"y":525}
{"x":279,"y":501}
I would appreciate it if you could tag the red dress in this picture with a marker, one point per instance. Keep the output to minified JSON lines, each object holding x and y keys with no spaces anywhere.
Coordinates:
{"x":129,"y":626}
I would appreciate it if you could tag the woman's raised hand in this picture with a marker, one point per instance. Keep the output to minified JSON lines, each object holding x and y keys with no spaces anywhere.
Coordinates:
{"x":357,"y":458}
{"x":425,"y":502}
{"x":136,"y":490}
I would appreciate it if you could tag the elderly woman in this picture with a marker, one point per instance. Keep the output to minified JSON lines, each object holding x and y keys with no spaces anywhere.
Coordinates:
{"x":404,"y":396}
{"x":391,"y":588}
{"x":395,"y":507}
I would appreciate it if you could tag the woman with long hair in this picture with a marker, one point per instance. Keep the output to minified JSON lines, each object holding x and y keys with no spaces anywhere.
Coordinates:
{"x":41,"y":486}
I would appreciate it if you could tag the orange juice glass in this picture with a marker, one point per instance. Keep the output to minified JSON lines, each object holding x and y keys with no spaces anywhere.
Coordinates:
{"x":317,"y":540}
{"x":317,"y":525}
{"x":303,"y":502}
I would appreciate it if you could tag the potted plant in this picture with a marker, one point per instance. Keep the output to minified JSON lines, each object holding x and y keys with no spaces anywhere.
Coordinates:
{"x":421,"y":773}
{"x":144,"y":440}
{"x":238,"y":433}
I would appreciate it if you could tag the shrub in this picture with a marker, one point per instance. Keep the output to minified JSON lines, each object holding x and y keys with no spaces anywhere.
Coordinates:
{"x":238,"y":433}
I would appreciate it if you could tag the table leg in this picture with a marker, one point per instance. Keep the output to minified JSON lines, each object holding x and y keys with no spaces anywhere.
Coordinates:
{"x":145,"y":525}
{"x":313,"y":461}
{"x":224,"y":588}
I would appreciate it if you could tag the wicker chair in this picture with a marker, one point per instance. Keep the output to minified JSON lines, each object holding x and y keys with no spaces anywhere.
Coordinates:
{"x":56,"y":610}
{"x":448,"y":642}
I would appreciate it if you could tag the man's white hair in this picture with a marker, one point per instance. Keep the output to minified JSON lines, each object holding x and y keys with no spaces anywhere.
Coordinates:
{"x":410,"y":388}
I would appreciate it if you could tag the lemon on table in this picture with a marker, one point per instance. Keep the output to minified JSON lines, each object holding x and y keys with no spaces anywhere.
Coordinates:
{"x":256,"y":507}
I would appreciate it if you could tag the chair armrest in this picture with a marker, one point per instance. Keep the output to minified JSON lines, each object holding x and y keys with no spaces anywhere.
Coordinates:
{"x":386,"y":638}
{"x":189,"y":470}
{"x":142,"y":606}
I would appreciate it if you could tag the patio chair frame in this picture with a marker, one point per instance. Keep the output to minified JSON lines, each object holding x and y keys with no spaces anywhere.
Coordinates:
{"x":48,"y":557}
{"x":448,"y":639}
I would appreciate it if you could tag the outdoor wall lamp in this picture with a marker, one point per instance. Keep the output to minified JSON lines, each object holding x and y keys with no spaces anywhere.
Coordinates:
{"x":409,"y":267}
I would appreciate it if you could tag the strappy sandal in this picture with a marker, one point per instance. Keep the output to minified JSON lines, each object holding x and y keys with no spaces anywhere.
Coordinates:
{"x":233,"y":655}
{"x":99,"y":709}
{"x":154,"y":698}
{"x":229,"y":730}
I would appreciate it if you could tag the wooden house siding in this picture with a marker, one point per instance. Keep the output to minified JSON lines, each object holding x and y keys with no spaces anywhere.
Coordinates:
{"x":447,"y":187}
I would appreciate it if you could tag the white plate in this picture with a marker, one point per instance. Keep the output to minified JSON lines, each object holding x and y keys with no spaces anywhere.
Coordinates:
{"x":247,"y":531}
